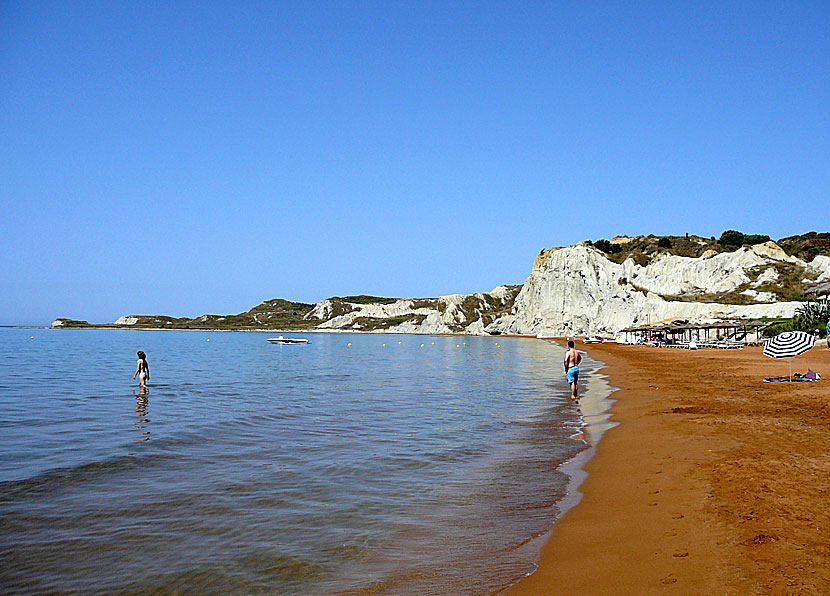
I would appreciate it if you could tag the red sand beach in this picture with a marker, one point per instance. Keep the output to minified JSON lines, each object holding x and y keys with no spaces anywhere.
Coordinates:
{"x":713,"y":483}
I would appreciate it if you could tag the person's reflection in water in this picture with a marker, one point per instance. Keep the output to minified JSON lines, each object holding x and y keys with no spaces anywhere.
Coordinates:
{"x":141,"y":403}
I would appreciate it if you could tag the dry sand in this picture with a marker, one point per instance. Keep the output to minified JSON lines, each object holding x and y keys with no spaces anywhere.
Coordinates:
{"x":714,"y":482}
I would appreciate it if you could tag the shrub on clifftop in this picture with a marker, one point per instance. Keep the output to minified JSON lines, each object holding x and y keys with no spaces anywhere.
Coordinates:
{"x":734,"y":238}
{"x":607,"y":247}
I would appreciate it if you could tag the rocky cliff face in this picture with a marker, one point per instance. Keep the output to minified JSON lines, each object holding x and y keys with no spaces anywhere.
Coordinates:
{"x":455,"y":313}
{"x":821,"y":264}
{"x":577,"y":290}
{"x":570,"y":291}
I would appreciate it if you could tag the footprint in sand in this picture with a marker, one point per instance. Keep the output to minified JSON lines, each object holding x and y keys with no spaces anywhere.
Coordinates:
{"x":652,"y":504}
{"x":670,"y":533}
{"x":678,"y":516}
{"x":681,"y":553}
{"x":669,"y":579}
{"x":653,"y":492}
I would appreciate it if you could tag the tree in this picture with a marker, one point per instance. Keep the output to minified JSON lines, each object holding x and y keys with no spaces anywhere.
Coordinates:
{"x":731,"y":238}
{"x":736,"y":238}
{"x":607,"y":247}
{"x":756,"y":238}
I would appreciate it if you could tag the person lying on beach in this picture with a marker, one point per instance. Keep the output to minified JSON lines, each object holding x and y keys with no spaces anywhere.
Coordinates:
{"x":142,"y":369}
{"x":572,"y":360}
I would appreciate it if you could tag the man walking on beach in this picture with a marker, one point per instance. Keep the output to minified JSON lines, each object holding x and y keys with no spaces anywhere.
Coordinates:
{"x":572,"y":360}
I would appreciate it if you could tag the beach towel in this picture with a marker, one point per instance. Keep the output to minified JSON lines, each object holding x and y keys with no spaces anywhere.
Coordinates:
{"x":803,"y":379}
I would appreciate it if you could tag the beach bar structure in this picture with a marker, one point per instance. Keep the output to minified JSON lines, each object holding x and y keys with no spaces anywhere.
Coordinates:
{"x":680,"y":332}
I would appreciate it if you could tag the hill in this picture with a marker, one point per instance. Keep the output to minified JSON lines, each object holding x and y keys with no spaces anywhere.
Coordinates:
{"x":592,"y":287}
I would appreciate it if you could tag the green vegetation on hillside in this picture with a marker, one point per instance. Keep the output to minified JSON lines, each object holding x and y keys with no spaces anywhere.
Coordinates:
{"x":484,"y":308}
{"x":286,"y":315}
{"x":807,"y":246}
{"x":364,"y":299}
{"x":812,"y":316}
{"x":644,"y":248}
{"x":271,"y":314}
{"x":734,"y":239}
{"x":71,"y":323}
{"x":376,"y":324}
{"x":789,"y":286}
{"x":608,"y":247}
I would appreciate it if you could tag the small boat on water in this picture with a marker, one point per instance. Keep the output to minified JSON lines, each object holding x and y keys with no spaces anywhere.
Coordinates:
{"x":288,"y":340}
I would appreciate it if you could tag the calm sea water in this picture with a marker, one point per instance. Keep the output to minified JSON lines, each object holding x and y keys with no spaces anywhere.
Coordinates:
{"x":249,"y":467}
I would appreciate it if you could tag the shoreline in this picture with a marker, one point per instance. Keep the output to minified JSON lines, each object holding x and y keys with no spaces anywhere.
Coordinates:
{"x":595,"y":405}
{"x":713,"y":483}
{"x":220,"y":330}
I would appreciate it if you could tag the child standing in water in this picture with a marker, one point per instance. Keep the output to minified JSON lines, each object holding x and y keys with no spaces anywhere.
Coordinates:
{"x":142,"y":369}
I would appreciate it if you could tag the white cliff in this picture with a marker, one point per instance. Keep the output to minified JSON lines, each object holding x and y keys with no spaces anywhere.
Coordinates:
{"x":577,"y":290}
{"x":446,"y":314}
{"x":570,"y":291}
{"x":769,"y":275}
{"x":821,"y":266}
{"x":675,"y":275}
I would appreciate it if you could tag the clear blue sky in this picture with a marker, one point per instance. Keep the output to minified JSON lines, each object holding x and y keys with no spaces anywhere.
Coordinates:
{"x":190,"y":158}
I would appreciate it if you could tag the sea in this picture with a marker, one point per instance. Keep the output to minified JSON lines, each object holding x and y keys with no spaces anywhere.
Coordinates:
{"x":357,"y":464}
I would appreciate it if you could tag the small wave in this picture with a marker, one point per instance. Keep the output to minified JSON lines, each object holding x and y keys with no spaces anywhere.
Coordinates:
{"x":55,"y":479}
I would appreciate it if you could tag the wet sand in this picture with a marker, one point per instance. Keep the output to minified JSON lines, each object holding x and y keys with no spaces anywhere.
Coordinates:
{"x":713,"y":483}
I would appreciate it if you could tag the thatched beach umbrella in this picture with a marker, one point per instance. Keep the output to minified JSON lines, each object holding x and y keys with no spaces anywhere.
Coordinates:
{"x":789,"y":345}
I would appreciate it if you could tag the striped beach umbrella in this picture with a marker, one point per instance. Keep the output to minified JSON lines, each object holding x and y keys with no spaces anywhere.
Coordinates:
{"x":789,"y":345}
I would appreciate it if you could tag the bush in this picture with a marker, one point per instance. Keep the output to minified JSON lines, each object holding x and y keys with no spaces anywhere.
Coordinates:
{"x":731,"y":238}
{"x":734,"y":238}
{"x":756,"y":238}
{"x":664,"y":242}
{"x":814,"y":310}
{"x":811,"y":316}
{"x":364,"y":299}
{"x":607,"y":247}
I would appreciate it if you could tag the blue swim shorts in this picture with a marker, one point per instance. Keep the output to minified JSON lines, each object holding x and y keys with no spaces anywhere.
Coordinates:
{"x":573,"y":374}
